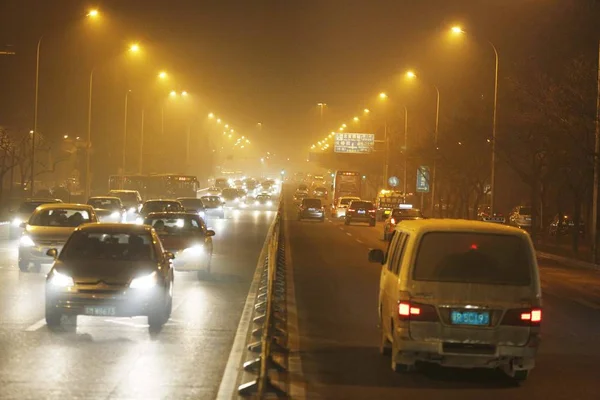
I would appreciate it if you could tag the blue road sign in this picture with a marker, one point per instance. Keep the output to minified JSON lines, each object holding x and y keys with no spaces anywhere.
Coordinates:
{"x":423,"y":179}
{"x":393,"y":181}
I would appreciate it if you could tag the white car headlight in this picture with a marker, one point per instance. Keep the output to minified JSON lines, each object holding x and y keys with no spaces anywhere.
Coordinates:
{"x":61,"y":280}
{"x":26,"y":241}
{"x":194,"y":250}
{"x":269,"y":203}
{"x":115,"y":214}
{"x":17,"y":222}
{"x":132,"y":209}
{"x":144,"y":282}
{"x":256,"y":202}
{"x":139,"y":221}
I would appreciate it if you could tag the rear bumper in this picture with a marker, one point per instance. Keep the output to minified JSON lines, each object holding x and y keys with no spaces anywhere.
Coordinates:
{"x":361,"y":218}
{"x":312,"y":215}
{"x":37,"y":254}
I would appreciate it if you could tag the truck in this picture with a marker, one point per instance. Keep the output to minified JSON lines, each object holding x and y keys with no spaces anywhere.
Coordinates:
{"x":346,"y":183}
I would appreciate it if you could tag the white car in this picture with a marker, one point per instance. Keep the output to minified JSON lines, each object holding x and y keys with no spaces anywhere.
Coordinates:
{"x":339,"y":208}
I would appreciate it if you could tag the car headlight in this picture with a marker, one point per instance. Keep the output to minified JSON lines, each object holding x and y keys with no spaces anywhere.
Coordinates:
{"x":243,"y":205}
{"x":220,"y":208}
{"x":139,"y":221}
{"x":132,"y":209}
{"x":115,"y":214}
{"x":61,"y":280}
{"x":269,"y":203}
{"x":144,"y":282}
{"x":17,"y":222}
{"x":194,"y":250}
{"x":26,"y":241}
{"x":256,"y":202}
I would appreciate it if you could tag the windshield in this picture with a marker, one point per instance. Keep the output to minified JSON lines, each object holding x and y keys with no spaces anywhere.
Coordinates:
{"x":30,"y":206}
{"x":230,"y":193}
{"x":211,"y":201}
{"x":181,"y":225}
{"x":362,"y":204}
{"x":312,"y":203}
{"x":473,"y":258}
{"x":525,"y":210}
{"x":347,"y":200}
{"x":126,"y":197}
{"x":410,"y":213}
{"x":157,"y":206}
{"x":320,"y":189}
{"x":60,"y":217}
{"x":109,"y":204}
{"x":192,"y":204}
{"x":108,"y":246}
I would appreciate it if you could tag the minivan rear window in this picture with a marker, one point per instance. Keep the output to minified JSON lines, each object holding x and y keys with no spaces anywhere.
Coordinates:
{"x":468,"y":257}
{"x":362,"y":204}
{"x":312,"y":203}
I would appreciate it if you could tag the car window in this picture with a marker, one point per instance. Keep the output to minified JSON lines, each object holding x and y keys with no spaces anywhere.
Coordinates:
{"x":177,"y":226}
{"x":108,"y":246}
{"x":362,"y":204}
{"x":126,"y":196}
{"x":109,"y":204}
{"x":312,"y":203}
{"x":192,"y":203}
{"x":157,"y":206}
{"x":29,"y":207}
{"x":346,"y":201}
{"x":472,"y":257}
{"x":211,"y":201}
{"x":60,"y":217}
{"x":399,"y":254}
{"x":391,"y":250}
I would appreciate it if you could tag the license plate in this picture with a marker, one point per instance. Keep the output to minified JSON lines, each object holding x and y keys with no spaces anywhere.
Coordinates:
{"x":474,"y":318}
{"x":100,"y":311}
{"x":361,"y":211}
{"x":312,"y":209}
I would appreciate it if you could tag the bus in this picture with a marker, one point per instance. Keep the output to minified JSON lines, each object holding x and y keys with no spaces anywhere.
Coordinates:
{"x":346,"y":183}
{"x":156,"y":185}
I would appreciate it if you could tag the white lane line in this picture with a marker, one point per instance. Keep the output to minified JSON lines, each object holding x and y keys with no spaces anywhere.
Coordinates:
{"x":228,"y":386}
{"x":359,"y":241}
{"x":34,"y":327}
{"x":348,"y":233}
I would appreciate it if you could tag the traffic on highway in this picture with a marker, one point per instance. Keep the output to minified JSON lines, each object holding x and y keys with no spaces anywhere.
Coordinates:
{"x":301,"y":200}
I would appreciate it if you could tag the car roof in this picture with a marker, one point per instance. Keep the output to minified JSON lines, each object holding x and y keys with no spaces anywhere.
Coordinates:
{"x":50,"y":206}
{"x":187,"y":198}
{"x":123,"y":191}
{"x":41,"y":199}
{"x":457,"y":225}
{"x":104,"y":197}
{"x":167,"y":214}
{"x":114,"y":227}
{"x":163,"y":200}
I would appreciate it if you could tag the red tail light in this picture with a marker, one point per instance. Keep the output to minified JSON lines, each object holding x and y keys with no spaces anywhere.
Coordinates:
{"x":523,"y":317}
{"x":351,"y":209}
{"x":393,"y":221}
{"x":408,"y":311}
{"x":371,"y":211}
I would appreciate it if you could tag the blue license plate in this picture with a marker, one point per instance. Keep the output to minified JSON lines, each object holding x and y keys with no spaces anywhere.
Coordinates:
{"x":361,"y":211}
{"x":474,"y":318}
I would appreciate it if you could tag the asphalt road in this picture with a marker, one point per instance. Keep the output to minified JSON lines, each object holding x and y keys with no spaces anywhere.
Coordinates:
{"x":336,"y":292}
{"x":117,"y":358}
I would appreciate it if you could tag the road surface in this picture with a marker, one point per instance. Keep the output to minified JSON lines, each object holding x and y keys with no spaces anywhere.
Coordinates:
{"x":116,"y":358}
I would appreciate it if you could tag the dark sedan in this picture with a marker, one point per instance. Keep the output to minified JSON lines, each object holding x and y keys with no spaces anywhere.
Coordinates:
{"x":311,"y":209}
{"x":360,"y":211}
{"x":158,"y":206}
{"x":111,"y":270}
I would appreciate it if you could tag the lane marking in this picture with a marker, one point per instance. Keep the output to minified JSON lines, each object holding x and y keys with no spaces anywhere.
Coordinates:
{"x":34,"y":327}
{"x":228,"y":386}
{"x":359,"y":241}
{"x":348,"y":233}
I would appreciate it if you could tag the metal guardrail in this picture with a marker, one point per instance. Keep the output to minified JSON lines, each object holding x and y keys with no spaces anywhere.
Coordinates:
{"x":270,"y":315}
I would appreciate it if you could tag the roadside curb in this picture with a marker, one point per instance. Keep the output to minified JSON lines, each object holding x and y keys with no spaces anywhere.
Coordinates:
{"x":569,"y":262}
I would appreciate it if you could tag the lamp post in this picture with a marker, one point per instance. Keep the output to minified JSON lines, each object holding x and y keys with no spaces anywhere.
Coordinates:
{"x":596,"y":170}
{"x":459,"y":30}
{"x":125,"y":132}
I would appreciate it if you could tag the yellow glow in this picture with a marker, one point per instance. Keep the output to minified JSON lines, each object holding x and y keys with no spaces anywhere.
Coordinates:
{"x":383,"y":96}
{"x":66,"y":137}
{"x":218,"y":120}
{"x":173,"y":93}
{"x":411,"y":75}
{"x":366,"y":111}
{"x":231,"y":130}
{"x":93,"y":13}
{"x":344,"y":125}
{"x":211,"y":115}
{"x":247,"y":141}
{"x":162,"y":75}
{"x":184,"y":93}
{"x":457,"y":29}
{"x":341,"y":129}
{"x":243,"y":137}
{"x":313,"y":146}
{"x":229,"y":136}
{"x":226,"y":126}
{"x":319,"y":142}
{"x":134,"y":48}
{"x":356,"y":119}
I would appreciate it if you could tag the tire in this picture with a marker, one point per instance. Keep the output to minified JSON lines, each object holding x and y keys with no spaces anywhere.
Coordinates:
{"x":53,"y":317}
{"x":372,"y":223}
{"x":346,"y":221}
{"x":385,"y":347}
{"x":396,"y":366}
{"x":24,"y":265}
{"x":521,"y":375}
{"x":158,"y":317}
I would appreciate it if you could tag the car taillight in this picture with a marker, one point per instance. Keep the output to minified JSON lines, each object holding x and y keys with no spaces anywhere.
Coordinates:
{"x":351,"y":209}
{"x":523,"y":317}
{"x":371,"y":211}
{"x":393,"y":221}
{"x":408,"y":311}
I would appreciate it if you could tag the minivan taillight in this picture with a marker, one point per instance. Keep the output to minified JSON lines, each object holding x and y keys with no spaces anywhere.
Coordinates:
{"x":523,"y":317}
{"x":409,"y":311}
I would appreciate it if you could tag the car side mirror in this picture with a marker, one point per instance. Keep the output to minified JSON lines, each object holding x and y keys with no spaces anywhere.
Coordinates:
{"x":52,"y":253}
{"x":23,"y":225}
{"x":376,"y":256}
{"x":169,"y":255}
{"x":210,"y":233}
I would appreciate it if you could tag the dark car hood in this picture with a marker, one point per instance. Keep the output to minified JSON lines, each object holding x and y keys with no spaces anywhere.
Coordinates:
{"x":107,"y":271}
{"x":175,"y":242}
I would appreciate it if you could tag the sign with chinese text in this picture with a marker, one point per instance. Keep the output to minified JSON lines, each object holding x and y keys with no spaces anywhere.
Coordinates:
{"x":354,"y":143}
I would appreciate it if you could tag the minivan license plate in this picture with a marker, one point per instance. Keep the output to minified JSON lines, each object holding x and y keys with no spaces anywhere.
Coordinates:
{"x":100,"y":311}
{"x":474,"y":318}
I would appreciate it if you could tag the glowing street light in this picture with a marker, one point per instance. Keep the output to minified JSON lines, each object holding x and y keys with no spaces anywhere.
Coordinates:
{"x":410,"y":75}
{"x":173,"y":93}
{"x":383,"y":96}
{"x":134,"y":48}
{"x":218,"y":120}
{"x":341,"y":128}
{"x":162,"y":75}
{"x":184,"y":93}
{"x":457,"y":30}
{"x":366,"y":111}
{"x":226,"y":126}
{"x":93,"y":13}
{"x":344,"y":125}
{"x":231,"y":130}
{"x":355,"y":119}
{"x":211,"y":115}
{"x":66,"y":137}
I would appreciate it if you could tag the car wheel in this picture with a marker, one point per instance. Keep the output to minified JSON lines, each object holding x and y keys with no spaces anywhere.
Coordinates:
{"x":24,"y":265}
{"x":396,"y":366}
{"x":385,"y":347}
{"x":521,"y":375}
{"x":346,"y":221}
{"x":53,"y":317}
{"x":372,"y":223}
{"x":159,"y":316}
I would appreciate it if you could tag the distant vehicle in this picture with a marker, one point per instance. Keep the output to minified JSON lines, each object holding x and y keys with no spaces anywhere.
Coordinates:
{"x":222,"y":183}
{"x":300,"y":195}
{"x":360,"y":211}
{"x":404,"y":213}
{"x":311,"y":209}
{"x":110,"y":270}
{"x":186,"y":236}
{"x":156,"y":185}
{"x":338,"y":209}
{"x":460,"y":294}
{"x":521,"y":217}
{"x":49,"y":227}
{"x":213,"y":206}
{"x":158,"y":205}
{"x":564,"y":225}
{"x":192,"y":204}
{"x":23,"y":213}
{"x":264,"y":200}
{"x":238,"y":183}
{"x":387,"y":200}
{"x":346,"y":184}
{"x":213,"y":190}
{"x":320,"y":192}
{"x":131,"y":199}
{"x":302,"y":188}
{"x":108,"y":208}
{"x":250,"y":184}
{"x":484,"y":213}
{"x":231,"y":196}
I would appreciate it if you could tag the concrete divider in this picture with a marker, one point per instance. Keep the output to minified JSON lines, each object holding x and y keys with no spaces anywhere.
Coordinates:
{"x":569,"y":262}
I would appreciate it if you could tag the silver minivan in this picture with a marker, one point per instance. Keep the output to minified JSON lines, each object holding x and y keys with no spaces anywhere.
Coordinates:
{"x":460,"y":294}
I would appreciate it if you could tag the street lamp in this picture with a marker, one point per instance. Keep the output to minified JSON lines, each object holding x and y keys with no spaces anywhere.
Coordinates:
{"x":91,"y":14}
{"x":366,"y":111}
{"x":383,"y":96}
{"x":457,"y":30}
{"x":211,"y":115}
{"x":134,"y":48}
{"x":356,"y":119}
{"x":163,"y":75}
{"x":411,"y":75}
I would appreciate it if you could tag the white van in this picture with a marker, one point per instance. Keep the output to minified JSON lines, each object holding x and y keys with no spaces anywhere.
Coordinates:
{"x":461,"y":294}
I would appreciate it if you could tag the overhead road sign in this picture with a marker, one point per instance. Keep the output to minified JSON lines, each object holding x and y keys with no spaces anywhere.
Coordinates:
{"x":354,"y":143}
